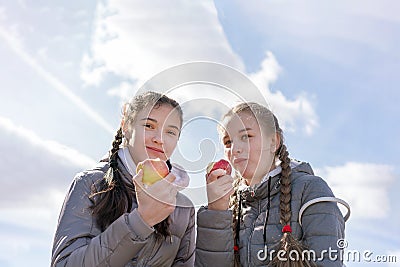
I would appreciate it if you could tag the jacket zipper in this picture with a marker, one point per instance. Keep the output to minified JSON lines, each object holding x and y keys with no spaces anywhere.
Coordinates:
{"x":252,"y":230}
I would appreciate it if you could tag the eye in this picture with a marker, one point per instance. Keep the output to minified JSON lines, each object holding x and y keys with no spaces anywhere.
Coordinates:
{"x":148,"y":125}
{"x":172,"y":133}
{"x":227,"y":143}
{"x":246,"y":137}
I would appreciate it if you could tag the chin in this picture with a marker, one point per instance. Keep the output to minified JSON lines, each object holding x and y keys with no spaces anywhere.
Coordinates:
{"x":247,"y":175}
{"x":154,"y":155}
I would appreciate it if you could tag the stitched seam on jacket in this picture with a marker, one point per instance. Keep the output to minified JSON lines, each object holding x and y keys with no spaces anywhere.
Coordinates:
{"x":107,"y":258}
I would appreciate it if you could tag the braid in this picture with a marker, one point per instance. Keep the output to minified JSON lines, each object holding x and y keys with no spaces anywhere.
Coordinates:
{"x":286,"y":191}
{"x":113,"y":197}
{"x":288,"y":242}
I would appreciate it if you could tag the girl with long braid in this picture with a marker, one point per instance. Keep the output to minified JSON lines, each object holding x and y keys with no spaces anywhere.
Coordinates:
{"x":274,"y":211}
{"x":110,"y":219}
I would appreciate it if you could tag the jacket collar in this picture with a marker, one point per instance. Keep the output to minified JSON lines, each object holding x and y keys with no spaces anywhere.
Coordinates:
{"x":126,"y":159}
{"x":260,"y":191}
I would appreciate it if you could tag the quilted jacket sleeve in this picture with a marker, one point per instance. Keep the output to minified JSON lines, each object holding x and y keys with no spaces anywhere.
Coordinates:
{"x":214,"y":245}
{"x":78,"y":242}
{"x":322,"y":224}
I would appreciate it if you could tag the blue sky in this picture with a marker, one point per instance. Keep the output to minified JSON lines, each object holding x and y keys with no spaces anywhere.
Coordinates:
{"x":329,"y":70}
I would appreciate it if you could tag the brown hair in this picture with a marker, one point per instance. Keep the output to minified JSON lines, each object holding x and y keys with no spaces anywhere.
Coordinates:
{"x":269,"y":123}
{"x":113,"y":196}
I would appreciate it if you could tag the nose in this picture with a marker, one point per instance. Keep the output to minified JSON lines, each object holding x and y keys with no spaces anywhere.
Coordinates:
{"x":157,"y":137}
{"x":236,"y":149}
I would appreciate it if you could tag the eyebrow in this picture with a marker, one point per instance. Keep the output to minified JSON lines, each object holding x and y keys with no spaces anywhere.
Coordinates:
{"x":153,"y":120}
{"x":240,"y":131}
{"x":245,"y":130}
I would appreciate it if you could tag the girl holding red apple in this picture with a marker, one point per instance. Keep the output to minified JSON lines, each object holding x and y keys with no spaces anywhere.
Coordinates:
{"x":110,"y":217}
{"x":273,"y":209}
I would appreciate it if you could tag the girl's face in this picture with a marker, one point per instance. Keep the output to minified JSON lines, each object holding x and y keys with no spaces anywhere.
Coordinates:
{"x":154,"y":133}
{"x":248,"y":148}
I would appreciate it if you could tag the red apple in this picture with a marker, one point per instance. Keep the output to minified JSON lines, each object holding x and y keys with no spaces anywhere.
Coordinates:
{"x":221,"y":164}
{"x":153,"y":170}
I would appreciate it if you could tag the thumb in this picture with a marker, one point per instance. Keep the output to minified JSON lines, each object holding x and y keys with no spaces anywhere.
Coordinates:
{"x":214,"y":175}
{"x":170,"y":177}
{"x":137,"y":180}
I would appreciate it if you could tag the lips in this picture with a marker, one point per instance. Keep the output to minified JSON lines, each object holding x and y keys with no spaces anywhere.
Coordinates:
{"x":239,"y":160}
{"x":155,"y":149}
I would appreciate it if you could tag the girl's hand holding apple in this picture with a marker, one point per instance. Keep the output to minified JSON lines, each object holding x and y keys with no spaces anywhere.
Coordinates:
{"x":156,"y":195}
{"x":219,"y":185}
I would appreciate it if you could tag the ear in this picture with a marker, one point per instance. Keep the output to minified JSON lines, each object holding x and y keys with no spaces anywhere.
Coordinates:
{"x":276,"y":141}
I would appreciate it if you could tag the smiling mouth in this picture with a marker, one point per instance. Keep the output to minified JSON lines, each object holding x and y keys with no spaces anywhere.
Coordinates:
{"x":155,"y":149}
{"x":239,"y":160}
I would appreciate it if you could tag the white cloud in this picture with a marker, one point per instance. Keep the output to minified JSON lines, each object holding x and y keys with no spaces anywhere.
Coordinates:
{"x":34,"y":168}
{"x":141,"y":38}
{"x":18,"y":242}
{"x":14,"y":41}
{"x":270,"y":69}
{"x":125,"y":91}
{"x":43,"y":53}
{"x":363,"y":185}
{"x":42,"y":211}
{"x":92,"y":73}
{"x":36,"y":174}
{"x":292,"y":114}
{"x":52,"y":147}
{"x":136,"y":40}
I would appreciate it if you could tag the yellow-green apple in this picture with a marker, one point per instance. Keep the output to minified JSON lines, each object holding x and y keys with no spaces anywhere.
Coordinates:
{"x":221,"y":164}
{"x":153,"y":170}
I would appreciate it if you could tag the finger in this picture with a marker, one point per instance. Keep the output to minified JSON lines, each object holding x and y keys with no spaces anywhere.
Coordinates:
{"x":170,"y":191}
{"x":228,"y":191}
{"x":226,"y":179}
{"x":170,"y":178}
{"x":214,"y":175}
{"x":226,"y":187}
{"x":137,"y":180}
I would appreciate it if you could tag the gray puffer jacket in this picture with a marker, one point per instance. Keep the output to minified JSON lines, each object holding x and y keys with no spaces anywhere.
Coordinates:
{"x":128,"y":241}
{"x":322,"y":224}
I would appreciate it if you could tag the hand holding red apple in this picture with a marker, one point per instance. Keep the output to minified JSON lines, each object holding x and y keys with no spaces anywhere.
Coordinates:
{"x":221,"y":164}
{"x":219,"y":185}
